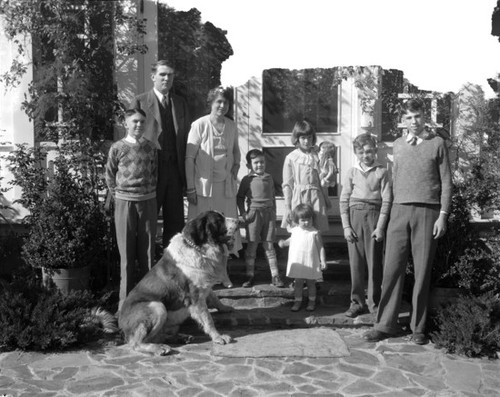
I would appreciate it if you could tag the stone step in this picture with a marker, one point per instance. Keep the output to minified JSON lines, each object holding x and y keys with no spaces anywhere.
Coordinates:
{"x":335,"y":269}
{"x":264,"y":305}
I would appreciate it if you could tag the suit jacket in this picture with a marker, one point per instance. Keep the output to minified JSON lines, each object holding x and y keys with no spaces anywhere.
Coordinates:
{"x":149,"y":103}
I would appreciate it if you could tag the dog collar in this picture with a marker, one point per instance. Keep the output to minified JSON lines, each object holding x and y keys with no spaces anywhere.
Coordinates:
{"x":191,"y":244}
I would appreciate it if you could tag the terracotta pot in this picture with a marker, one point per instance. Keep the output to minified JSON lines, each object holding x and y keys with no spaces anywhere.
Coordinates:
{"x":66,"y":280}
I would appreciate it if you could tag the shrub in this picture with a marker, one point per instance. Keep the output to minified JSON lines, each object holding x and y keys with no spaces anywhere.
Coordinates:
{"x":477,"y":270}
{"x":36,"y":318}
{"x":65,"y":235}
{"x":67,"y":223}
{"x":463,"y":258}
{"x":470,"y":326}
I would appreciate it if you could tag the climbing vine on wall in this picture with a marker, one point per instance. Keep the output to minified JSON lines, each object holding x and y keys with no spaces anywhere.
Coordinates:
{"x":72,"y":56}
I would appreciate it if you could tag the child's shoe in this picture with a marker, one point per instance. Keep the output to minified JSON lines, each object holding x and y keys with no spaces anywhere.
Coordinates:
{"x":278,"y":282}
{"x":355,"y":311}
{"x":296,"y":306}
{"x":311,"y":306}
{"x":248,"y":283}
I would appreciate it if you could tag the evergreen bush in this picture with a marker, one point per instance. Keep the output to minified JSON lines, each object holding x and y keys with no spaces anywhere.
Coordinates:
{"x":36,"y":318}
{"x":68,"y":226}
{"x":470,"y":326}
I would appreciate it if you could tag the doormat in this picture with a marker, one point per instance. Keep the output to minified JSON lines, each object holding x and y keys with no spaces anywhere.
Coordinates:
{"x":304,"y":342}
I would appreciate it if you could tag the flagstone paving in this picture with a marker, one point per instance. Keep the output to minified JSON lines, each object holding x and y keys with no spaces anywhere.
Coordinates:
{"x":393,"y":367}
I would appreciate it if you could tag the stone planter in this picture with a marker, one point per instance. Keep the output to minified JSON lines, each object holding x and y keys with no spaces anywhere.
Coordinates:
{"x":66,"y":280}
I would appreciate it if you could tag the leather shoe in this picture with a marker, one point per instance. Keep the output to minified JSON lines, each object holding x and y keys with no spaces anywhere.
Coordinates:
{"x":375,"y":336}
{"x":355,"y":311}
{"x":420,"y":339}
{"x":248,"y":283}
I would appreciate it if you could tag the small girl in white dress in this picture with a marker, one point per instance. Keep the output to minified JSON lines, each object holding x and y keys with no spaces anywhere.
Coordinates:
{"x":306,"y":256}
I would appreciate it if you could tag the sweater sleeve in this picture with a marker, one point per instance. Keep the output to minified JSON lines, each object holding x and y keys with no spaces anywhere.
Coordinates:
{"x":111,"y":170}
{"x":288,"y":180}
{"x":242,"y":193}
{"x":193,"y":145}
{"x":386,"y":193}
{"x":236,"y":150}
{"x":344,"y":199}
{"x":445,"y":175}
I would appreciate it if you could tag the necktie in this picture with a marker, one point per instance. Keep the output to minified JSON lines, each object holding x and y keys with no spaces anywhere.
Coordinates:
{"x":413,"y":141}
{"x":164,"y":102}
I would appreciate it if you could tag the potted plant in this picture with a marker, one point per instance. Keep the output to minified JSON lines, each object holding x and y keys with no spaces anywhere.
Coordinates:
{"x":67,"y":224}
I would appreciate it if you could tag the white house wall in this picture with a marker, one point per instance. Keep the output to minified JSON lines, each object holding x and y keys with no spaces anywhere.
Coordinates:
{"x":132,"y":74}
{"x":15,"y":126}
{"x":351,"y":122}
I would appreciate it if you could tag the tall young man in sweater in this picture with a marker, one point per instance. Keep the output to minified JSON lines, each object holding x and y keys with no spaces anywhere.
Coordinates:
{"x":131,"y":173}
{"x":422,"y":196}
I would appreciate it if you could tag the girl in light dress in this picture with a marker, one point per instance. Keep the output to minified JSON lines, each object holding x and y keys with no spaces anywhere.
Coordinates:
{"x":306,"y":256}
{"x":301,"y":178}
{"x":301,"y":182}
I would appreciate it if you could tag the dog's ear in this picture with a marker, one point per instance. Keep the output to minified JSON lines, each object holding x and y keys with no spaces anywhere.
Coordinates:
{"x":195,"y":230}
{"x":216,"y":228}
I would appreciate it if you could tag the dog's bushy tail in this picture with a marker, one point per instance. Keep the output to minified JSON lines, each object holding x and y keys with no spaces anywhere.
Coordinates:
{"x":103,"y":320}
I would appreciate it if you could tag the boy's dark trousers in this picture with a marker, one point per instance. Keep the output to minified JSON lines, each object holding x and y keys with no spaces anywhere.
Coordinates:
{"x":364,"y":254}
{"x":135,"y":223}
{"x":410,"y":228}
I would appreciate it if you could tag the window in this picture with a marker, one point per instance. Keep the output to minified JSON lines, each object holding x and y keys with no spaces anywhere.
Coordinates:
{"x":291,"y":95}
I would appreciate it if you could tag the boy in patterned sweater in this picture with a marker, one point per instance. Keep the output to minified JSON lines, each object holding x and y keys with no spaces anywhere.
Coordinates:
{"x":422,"y":197}
{"x":131,"y":173}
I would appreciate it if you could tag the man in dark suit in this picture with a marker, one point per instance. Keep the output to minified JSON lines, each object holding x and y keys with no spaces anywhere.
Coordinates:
{"x":167,"y":125}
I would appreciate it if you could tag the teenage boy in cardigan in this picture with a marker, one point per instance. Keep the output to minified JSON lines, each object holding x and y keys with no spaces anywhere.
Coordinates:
{"x":422,"y":197}
{"x":131,"y":173}
{"x":365,"y":204}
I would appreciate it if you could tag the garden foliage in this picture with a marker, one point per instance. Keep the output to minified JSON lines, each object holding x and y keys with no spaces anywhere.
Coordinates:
{"x":470,"y":326}
{"x":68,"y":227}
{"x":33,"y":317}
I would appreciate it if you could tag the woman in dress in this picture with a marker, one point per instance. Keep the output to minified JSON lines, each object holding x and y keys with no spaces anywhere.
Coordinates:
{"x":213,"y":160}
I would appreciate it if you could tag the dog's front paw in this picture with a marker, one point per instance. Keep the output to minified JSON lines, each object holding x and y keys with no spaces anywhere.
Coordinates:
{"x":223,"y":339}
{"x":225,"y":308}
{"x":184,"y":338}
{"x":162,"y":350}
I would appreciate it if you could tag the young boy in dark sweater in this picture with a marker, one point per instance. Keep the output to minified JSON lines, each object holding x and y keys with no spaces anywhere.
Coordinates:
{"x":131,"y":173}
{"x":422,"y":197}
{"x":257,"y":189}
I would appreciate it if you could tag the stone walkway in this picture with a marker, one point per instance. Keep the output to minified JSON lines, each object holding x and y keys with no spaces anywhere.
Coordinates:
{"x":391,"y":368}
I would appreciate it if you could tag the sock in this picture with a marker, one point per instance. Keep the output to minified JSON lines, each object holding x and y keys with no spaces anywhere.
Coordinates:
{"x":273,"y":262}
{"x":250,"y":264}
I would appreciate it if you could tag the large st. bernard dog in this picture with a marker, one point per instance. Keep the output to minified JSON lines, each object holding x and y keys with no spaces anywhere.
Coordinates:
{"x":179,"y":285}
